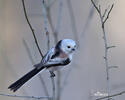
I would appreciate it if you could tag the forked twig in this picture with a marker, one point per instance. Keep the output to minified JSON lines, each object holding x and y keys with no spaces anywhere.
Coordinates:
{"x":108,"y":14}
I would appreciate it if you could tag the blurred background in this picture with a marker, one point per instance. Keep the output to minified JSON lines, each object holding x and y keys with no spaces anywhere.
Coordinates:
{"x":75,"y":19}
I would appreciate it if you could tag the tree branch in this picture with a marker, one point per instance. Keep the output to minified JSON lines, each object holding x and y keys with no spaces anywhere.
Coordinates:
{"x":106,"y":47}
{"x":25,"y":13}
{"x":45,"y":23}
{"x":114,"y":95}
{"x":95,"y":6}
{"x":72,"y":21}
{"x":28,"y":97}
{"x":53,"y":88}
{"x":108,"y":14}
{"x":44,"y":85}
{"x":44,"y":10}
{"x":33,"y":62}
{"x":42,"y":81}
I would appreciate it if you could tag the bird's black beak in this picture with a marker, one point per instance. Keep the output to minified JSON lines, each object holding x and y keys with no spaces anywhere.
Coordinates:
{"x":73,"y":49}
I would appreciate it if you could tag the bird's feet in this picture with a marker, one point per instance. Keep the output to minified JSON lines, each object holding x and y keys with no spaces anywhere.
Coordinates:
{"x":52,"y":74}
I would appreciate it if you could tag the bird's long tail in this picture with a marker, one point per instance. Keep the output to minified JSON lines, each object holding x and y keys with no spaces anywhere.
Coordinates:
{"x":16,"y":85}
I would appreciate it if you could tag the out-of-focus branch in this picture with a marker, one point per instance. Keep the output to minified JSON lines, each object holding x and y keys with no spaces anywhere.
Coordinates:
{"x":28,"y":97}
{"x":65,"y":79}
{"x":28,"y":52}
{"x":88,"y":20}
{"x":106,"y":47}
{"x":53,"y":88}
{"x":45,"y":23}
{"x":73,"y":23}
{"x":33,"y":62}
{"x":114,"y":95}
{"x":55,"y":32}
{"x":44,"y":85}
{"x":51,"y":2}
{"x":48,"y":43}
{"x":25,"y":13}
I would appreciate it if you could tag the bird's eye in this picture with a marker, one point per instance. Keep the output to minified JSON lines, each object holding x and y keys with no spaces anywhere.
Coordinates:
{"x":68,"y":47}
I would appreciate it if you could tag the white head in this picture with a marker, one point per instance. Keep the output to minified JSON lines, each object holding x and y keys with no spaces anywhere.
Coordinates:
{"x":68,"y":46}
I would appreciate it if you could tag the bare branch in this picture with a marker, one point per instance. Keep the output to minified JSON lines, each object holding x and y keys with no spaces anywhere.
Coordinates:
{"x":51,"y":2}
{"x":42,"y":81}
{"x":44,"y":10}
{"x":109,"y":47}
{"x":114,"y":95}
{"x":28,"y":51}
{"x":25,"y":13}
{"x":95,"y":6}
{"x":72,"y":20}
{"x":110,"y":67}
{"x":53,"y":88}
{"x":44,"y":86}
{"x":31,"y":59}
{"x":65,"y":79}
{"x":55,"y":34}
{"x":58,"y":85}
{"x":108,"y":14}
{"x":100,"y":9}
{"x":104,"y":13}
{"x":52,"y":25}
{"x":88,"y":20}
{"x":45,"y":23}
{"x":28,"y":97}
{"x":105,"y":42}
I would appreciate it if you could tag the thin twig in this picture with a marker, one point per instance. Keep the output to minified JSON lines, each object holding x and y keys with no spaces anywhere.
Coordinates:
{"x":55,"y":34}
{"x":108,"y":14}
{"x":72,"y":20}
{"x":58,"y":85}
{"x":51,"y":2}
{"x":59,"y":16}
{"x":114,"y":95}
{"x":58,"y":24}
{"x":45,"y":23}
{"x":53,"y":88}
{"x":88,"y":20}
{"x":44,"y":85}
{"x":28,"y":97}
{"x":105,"y":54}
{"x":95,"y":6}
{"x":28,"y":52}
{"x":104,"y":13}
{"x":52,"y":25}
{"x":65,"y":79}
{"x":44,"y":10}
{"x":42,"y":81}
{"x":33,"y":62}
{"x":25,"y":13}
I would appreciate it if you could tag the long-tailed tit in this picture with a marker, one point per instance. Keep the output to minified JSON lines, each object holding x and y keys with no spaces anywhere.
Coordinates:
{"x":54,"y":59}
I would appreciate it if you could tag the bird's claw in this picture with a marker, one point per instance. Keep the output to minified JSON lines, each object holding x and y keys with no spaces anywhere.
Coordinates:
{"x":52,"y":74}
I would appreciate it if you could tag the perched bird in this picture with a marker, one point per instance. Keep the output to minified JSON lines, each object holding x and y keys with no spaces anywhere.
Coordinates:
{"x":54,"y":59}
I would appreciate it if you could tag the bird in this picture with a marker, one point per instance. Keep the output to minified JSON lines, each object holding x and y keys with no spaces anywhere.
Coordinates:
{"x":57,"y":57}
